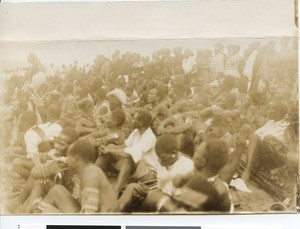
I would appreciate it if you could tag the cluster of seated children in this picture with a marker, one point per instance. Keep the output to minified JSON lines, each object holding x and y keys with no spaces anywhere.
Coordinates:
{"x":141,"y":142}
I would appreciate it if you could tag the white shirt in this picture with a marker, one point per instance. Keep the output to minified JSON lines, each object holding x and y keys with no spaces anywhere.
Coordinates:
{"x":273,"y":128}
{"x":141,"y":147}
{"x":51,"y":130}
{"x":188,"y":64}
{"x":32,"y":141}
{"x":165,"y":175}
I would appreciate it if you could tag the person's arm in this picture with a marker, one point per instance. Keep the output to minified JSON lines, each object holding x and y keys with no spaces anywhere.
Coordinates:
{"x":97,"y":194}
{"x":116,"y":152}
{"x":178,"y":129}
{"x":163,"y":124}
{"x":251,"y":153}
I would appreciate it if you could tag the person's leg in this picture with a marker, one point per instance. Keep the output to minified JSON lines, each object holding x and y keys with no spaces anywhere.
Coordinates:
{"x":23,"y":167}
{"x":124,"y":173}
{"x":254,"y":140}
{"x":103,"y":161}
{"x":62,"y":199}
{"x":134,"y":192}
{"x":273,"y":155}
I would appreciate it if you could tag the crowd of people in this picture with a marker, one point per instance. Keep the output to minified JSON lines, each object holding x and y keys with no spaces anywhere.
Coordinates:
{"x":165,"y":133}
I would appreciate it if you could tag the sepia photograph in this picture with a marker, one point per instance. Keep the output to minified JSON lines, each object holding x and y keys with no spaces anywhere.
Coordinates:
{"x":150,"y":126}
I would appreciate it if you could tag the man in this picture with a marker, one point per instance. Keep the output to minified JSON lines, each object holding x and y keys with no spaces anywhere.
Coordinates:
{"x":266,"y":145}
{"x":172,"y":165}
{"x":158,"y":110}
{"x":217,"y":61}
{"x":189,"y":64}
{"x":96,"y":194}
{"x":36,"y":142}
{"x":138,"y":151}
{"x":38,"y":183}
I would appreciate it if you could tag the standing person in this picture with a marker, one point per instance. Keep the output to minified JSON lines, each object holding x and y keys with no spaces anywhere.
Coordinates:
{"x":217,"y":61}
{"x":189,"y":64}
{"x":268,"y":68}
{"x":232,"y":62}
{"x":249,"y":58}
{"x":96,"y":194}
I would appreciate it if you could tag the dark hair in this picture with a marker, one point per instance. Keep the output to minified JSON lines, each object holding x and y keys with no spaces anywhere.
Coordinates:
{"x":144,"y":116}
{"x":29,"y":117}
{"x":201,"y":185}
{"x":216,"y":154}
{"x":84,"y":149}
{"x":185,"y":144}
{"x":71,"y":133}
{"x":167,"y":143}
{"x":54,"y":111}
{"x":119,"y":116}
{"x":281,"y":106}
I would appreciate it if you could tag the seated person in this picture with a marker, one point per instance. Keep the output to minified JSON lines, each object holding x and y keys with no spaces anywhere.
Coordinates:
{"x":96,"y":194}
{"x":37,"y":145}
{"x":138,"y":152}
{"x":43,"y":176}
{"x":179,"y":123}
{"x":157,"y":108}
{"x":197,"y":194}
{"x":111,"y":135}
{"x":266,"y":145}
{"x":86,"y":124}
{"x":209,"y":158}
{"x":172,"y":164}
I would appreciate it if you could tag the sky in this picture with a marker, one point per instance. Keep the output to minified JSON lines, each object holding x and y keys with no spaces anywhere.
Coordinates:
{"x":15,"y":54}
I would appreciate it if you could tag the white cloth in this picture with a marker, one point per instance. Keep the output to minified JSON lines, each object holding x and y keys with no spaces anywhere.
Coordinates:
{"x":52,"y":130}
{"x":32,"y":141}
{"x":38,"y":79}
{"x":141,"y":147}
{"x":275,"y":129}
{"x":249,"y":65}
{"x":217,"y":64}
{"x":188,"y":64}
{"x":165,"y":175}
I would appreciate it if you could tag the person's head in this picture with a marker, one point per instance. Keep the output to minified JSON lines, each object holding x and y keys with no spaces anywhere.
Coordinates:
{"x":212,"y":155}
{"x":166,"y":149}
{"x":83,"y":91}
{"x":228,"y":83}
{"x":19,"y":106}
{"x":114,"y":102}
{"x":28,"y":119}
{"x":66,"y":137}
{"x":141,"y":119}
{"x":81,"y":151}
{"x":218,"y":48}
{"x":199,"y":195}
{"x":155,"y":95}
{"x":53,"y":113}
{"x":117,"y":118}
{"x":228,"y":102}
{"x":216,"y":129}
{"x":278,"y":110}
{"x":99,"y":95}
{"x":185,"y":144}
{"x":67,"y":89}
